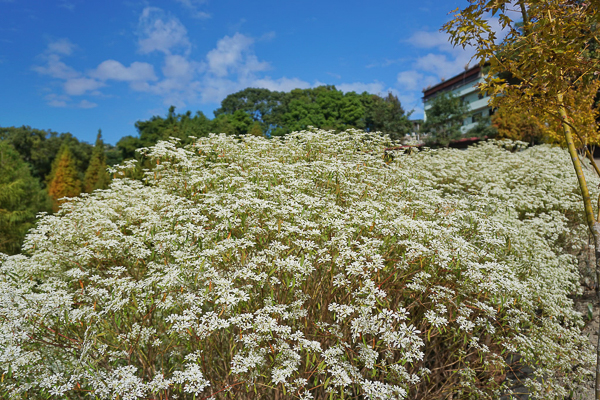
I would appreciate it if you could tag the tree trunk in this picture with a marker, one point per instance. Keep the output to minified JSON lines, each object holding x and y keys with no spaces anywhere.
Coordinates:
{"x":593,"y":225}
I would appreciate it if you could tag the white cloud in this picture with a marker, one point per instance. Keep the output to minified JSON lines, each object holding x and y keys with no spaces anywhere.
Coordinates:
{"x":178,"y":85}
{"x":56,"y":101}
{"x":62,"y":101}
{"x":230,"y":66}
{"x":233,"y":54}
{"x":410,"y":80}
{"x":280,"y":85}
{"x":61,"y":46}
{"x":429,"y":40}
{"x":268,"y":36}
{"x":67,"y":5}
{"x":359,"y":87}
{"x":444,"y":66}
{"x":56,"y":68}
{"x":178,"y":67}
{"x":159,"y":32}
{"x":192,"y":6}
{"x":80,"y":86}
{"x":111,"y":69}
{"x":451,"y":60}
{"x":446,"y":62}
{"x":386,"y":63}
{"x":213,"y":90}
{"x":86,"y":104}
{"x":410,"y":101}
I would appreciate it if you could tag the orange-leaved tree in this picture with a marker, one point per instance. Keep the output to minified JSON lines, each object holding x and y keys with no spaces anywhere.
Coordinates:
{"x":550,"y":48}
{"x":64,"y":178}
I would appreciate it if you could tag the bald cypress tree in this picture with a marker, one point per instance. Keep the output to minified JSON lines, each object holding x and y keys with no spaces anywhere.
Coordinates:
{"x":64,"y":179}
{"x":96,"y":176}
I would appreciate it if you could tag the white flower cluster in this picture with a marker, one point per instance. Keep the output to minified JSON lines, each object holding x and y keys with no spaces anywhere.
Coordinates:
{"x":306,"y":266}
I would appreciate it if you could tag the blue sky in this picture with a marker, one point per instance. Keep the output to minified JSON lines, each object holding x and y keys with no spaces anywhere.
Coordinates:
{"x":78,"y":66}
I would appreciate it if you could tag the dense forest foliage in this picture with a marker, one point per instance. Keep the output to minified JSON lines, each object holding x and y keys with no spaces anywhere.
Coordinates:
{"x":262,"y":112}
{"x":37,"y":168}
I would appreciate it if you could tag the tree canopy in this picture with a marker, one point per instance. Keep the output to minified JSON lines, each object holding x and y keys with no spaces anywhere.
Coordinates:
{"x":444,"y":119}
{"x":324,"y":107}
{"x":21,"y":198}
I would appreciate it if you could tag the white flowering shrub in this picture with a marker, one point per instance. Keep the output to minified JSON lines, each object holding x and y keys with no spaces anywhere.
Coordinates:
{"x":302,"y":268}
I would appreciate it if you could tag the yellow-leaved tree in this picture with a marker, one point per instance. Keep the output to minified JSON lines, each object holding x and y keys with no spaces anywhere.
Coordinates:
{"x":515,"y":124}
{"x":551,"y":51}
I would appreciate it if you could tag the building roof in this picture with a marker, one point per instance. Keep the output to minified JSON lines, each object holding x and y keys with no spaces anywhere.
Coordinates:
{"x":463,"y":78}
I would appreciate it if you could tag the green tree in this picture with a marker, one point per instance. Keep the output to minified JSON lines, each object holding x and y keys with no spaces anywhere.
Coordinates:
{"x":444,"y":119}
{"x":302,"y":111}
{"x":263,"y":105}
{"x":386,"y":115}
{"x":223,"y":124}
{"x":21,"y":198}
{"x":96,"y":176}
{"x":323,"y":107}
{"x":181,"y":126}
{"x":483,"y":129}
{"x":64,"y":179}
{"x":352,"y":111}
{"x":256,"y":130}
{"x":113,"y":154}
{"x":241,"y":122}
{"x":39,"y":148}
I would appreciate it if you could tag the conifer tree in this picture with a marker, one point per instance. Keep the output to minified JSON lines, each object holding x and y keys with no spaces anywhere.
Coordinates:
{"x":65,"y":180}
{"x":96,"y":176}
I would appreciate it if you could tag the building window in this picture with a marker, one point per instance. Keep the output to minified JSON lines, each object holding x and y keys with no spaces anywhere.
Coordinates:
{"x":480,"y":96}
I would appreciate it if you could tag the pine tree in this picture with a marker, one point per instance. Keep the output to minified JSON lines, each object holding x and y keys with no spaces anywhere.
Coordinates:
{"x":65,"y":180}
{"x":96,"y":176}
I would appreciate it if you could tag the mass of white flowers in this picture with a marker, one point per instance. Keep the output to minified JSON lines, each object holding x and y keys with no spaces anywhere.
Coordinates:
{"x":306,"y":267}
